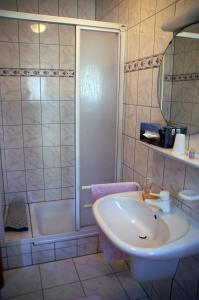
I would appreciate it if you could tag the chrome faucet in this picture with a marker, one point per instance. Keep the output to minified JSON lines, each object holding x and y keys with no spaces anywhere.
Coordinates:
{"x":163,"y":203}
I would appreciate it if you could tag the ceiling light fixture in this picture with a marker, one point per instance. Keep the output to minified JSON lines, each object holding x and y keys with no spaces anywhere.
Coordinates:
{"x":38,"y":28}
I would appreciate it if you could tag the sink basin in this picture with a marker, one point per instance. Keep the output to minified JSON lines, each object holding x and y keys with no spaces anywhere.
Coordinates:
{"x":152,"y":239}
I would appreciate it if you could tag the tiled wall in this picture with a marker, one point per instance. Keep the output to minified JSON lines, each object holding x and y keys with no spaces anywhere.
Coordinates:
{"x":2,"y":198}
{"x":145,"y":39}
{"x":37,"y":112}
{"x":26,"y":254}
{"x":82,"y":9}
{"x":38,"y":101}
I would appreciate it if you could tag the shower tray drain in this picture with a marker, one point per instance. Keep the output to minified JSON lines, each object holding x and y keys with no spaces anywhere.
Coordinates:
{"x":142,"y":236}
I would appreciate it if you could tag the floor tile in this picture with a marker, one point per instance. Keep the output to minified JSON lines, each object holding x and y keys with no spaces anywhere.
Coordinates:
{"x":65,"y":292}
{"x":119,"y":265}
{"x":107,"y":287}
{"x":58,"y":273}
{"x":21,"y":281}
{"x":92,"y":266}
{"x":32,"y":296}
{"x":132,"y":287}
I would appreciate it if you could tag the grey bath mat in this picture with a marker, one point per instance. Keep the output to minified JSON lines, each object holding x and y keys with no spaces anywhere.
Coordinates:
{"x":16,"y":219}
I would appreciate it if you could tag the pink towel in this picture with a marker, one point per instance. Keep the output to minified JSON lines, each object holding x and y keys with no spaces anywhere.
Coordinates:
{"x":99,"y":190}
{"x":90,"y":298}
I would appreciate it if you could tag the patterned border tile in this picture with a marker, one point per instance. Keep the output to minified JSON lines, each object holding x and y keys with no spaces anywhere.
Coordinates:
{"x":182,"y":77}
{"x":37,"y":72}
{"x":149,"y":62}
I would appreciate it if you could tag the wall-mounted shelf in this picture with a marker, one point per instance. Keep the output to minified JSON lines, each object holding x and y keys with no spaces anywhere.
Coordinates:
{"x":168,"y":152}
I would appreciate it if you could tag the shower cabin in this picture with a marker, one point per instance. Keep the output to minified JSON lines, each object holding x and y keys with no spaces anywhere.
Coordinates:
{"x":61,"y":121}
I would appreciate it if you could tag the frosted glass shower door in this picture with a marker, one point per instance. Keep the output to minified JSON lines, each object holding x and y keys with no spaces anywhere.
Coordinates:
{"x":98,"y":108}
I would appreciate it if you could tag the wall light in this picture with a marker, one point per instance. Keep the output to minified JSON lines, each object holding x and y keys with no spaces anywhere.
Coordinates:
{"x":38,"y":28}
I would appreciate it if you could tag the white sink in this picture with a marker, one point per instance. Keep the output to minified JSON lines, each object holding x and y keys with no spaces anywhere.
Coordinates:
{"x":154,"y":241}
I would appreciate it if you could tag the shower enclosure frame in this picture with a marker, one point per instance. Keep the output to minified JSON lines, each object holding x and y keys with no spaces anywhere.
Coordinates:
{"x":86,"y":25}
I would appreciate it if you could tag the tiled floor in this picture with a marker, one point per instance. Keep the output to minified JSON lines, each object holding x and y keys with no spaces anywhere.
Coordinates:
{"x":72,"y":279}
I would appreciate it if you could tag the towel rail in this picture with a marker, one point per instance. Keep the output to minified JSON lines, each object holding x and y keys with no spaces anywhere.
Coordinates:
{"x":88,"y":205}
{"x":86,"y":187}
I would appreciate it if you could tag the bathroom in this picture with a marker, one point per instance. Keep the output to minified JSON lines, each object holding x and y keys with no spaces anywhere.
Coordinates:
{"x":41,"y":145}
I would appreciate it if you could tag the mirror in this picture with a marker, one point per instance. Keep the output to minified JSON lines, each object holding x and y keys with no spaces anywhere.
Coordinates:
{"x":178,"y":83}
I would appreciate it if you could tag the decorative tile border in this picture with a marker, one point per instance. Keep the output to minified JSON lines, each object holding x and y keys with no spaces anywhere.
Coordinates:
{"x":149,"y":62}
{"x":36,"y":72}
{"x":182,"y":77}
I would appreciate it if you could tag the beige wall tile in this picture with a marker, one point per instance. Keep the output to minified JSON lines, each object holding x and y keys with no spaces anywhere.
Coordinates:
{"x":67,"y":134}
{"x":86,"y":9}
{"x":14,"y":159}
{"x":26,"y":35}
{"x":148,"y":8}
{"x":34,"y":179}
{"x":51,"y":134}
{"x":162,"y":4}
{"x":33,"y":158}
{"x":154,"y":96}
{"x":31,"y":112}
{"x":8,"y":4}
{"x":139,"y":179}
{"x":30,"y":88}
{"x":68,"y":176}
{"x":50,"y":35}
{"x":143,"y":115}
{"x":67,"y":57}
{"x":48,"y":7}
{"x":127,"y":174}
{"x":13,"y":136}
{"x":131,"y":88}
{"x":141,"y":158}
{"x":112,"y":16}
{"x":67,"y":35}
{"x":50,"y":112}
{"x":30,"y":6}
{"x":99,"y":9}
{"x":145,"y":87}
{"x":67,"y":156}
{"x":29,"y":55}
{"x":162,"y":39}
{"x":68,"y":8}
{"x":147,"y":37}
{"x":130,"y":120}
{"x":156,"y":116}
{"x":8,"y":31}
{"x":32,"y":135}
{"x":134,"y":12}
{"x":50,"y":88}
{"x":10,"y":88}
{"x":12,"y":113}
{"x":16,"y":181}
{"x":9,"y":57}
{"x":174,"y":175}
{"x":133,"y":42}
{"x":123,"y":12}
{"x":155,"y":167}
{"x":49,"y":56}
{"x":128,"y":151}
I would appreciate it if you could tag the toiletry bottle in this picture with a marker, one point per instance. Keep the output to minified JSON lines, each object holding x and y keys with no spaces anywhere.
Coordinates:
{"x":192,"y":153}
